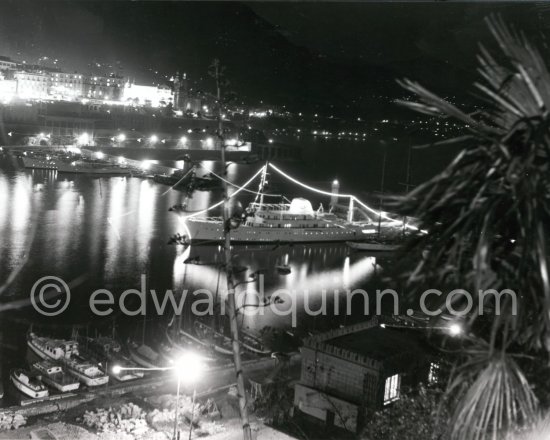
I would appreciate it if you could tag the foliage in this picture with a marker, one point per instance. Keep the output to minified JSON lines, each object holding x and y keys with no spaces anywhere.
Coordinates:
{"x":274,"y":405}
{"x":486,"y":214}
{"x":414,"y":416}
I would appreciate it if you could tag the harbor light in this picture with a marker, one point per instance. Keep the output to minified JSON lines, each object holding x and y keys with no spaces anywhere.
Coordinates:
{"x":146,"y":164}
{"x":121,"y":137}
{"x":154,"y":138}
{"x":99,"y":155}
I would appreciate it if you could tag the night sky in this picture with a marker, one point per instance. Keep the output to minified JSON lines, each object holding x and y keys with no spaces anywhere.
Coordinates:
{"x":333,"y":58}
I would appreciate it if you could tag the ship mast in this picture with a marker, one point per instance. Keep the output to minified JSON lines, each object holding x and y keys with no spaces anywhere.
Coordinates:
{"x":262,"y":184}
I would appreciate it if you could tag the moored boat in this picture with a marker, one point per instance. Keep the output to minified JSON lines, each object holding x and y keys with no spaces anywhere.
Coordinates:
{"x":86,"y":372}
{"x":223,"y":344}
{"x":373,"y":246}
{"x":107,"y":351}
{"x":76,"y":166}
{"x":293,"y":222}
{"x":54,"y":376}
{"x":143,"y":355}
{"x":28,"y":384}
{"x":51,"y":349}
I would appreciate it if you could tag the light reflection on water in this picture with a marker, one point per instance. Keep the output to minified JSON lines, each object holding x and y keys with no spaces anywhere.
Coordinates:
{"x":113,"y":229}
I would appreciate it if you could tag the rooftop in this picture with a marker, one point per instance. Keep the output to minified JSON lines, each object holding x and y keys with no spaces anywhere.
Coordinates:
{"x":378,"y":343}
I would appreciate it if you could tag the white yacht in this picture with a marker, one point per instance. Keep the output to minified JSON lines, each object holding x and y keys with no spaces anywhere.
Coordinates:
{"x":285,"y":222}
{"x":54,"y":376}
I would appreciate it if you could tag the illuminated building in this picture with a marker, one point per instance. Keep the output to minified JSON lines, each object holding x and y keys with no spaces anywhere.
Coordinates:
{"x":8,"y":88}
{"x":7,"y":63}
{"x":147,"y":95}
{"x":108,"y":88}
{"x":66,"y":86}
{"x":32,"y":85}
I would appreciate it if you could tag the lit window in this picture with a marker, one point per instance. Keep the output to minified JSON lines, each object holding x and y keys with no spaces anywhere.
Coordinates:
{"x":391,"y":390}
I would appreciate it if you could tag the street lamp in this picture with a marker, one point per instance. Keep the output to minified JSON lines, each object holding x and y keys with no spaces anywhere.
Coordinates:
{"x":188,"y":369}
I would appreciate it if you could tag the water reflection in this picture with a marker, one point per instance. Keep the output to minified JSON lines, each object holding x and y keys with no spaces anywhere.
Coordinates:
{"x":113,"y":229}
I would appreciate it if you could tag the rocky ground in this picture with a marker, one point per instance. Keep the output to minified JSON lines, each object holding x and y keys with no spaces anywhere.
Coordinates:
{"x":135,"y":418}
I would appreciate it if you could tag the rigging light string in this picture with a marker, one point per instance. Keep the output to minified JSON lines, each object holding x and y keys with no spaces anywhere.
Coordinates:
{"x":237,"y":186}
{"x":350,"y":196}
{"x":215,"y":205}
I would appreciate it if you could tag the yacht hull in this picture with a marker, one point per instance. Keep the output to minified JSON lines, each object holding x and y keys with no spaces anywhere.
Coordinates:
{"x":212,"y":231}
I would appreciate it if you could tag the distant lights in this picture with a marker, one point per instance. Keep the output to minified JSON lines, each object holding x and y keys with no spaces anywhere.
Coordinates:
{"x":146,"y":164}
{"x":231,"y":142}
{"x":121,"y":137}
{"x":154,"y":139}
{"x":209,"y":142}
{"x":121,"y":160}
{"x":99,"y":155}
{"x":183,"y":139}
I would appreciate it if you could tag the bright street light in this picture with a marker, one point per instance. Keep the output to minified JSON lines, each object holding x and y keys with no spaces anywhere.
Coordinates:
{"x":121,"y":137}
{"x":455,"y":329}
{"x":154,"y":138}
{"x":183,"y":139}
{"x":188,"y":368}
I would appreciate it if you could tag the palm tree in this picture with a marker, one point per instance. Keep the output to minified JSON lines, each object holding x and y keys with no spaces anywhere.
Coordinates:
{"x":487,"y":215}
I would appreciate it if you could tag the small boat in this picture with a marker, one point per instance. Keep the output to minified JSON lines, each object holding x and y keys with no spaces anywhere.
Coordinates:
{"x":86,"y":372}
{"x":223,"y":344}
{"x":52,"y":349}
{"x":143,"y":355}
{"x":107,"y":351}
{"x":28,"y":384}
{"x":54,"y":376}
{"x":372,"y":246}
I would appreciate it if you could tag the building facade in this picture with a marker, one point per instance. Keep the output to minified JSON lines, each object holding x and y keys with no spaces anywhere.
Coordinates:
{"x":348,"y":370}
{"x":105,"y":88}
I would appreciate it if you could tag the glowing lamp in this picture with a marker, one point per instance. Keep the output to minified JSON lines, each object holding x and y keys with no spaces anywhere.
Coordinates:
{"x":121,"y":137}
{"x":154,"y":138}
{"x":455,"y":330}
{"x":189,"y":367}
